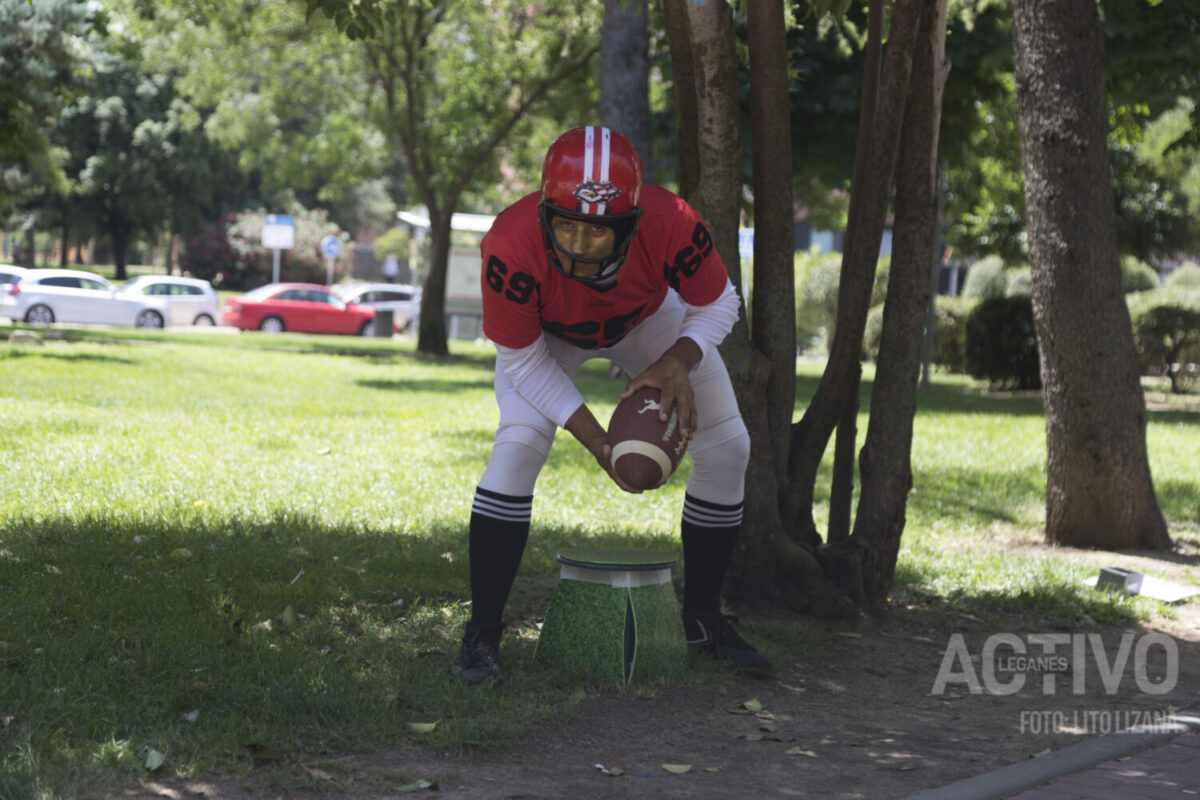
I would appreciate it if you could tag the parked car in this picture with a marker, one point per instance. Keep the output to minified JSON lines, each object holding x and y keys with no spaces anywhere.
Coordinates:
{"x":9,"y":272}
{"x":43,"y":296}
{"x":402,"y":300}
{"x":192,"y":301}
{"x":298,"y":307}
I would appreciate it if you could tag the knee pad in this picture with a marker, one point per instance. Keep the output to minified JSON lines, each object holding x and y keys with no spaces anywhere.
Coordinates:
{"x":517,"y":457}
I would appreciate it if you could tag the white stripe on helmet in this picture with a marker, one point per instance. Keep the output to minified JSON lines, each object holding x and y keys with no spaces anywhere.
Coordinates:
{"x":589,"y":157}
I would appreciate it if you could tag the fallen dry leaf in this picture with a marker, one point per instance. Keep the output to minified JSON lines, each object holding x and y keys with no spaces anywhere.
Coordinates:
{"x":677,"y":769}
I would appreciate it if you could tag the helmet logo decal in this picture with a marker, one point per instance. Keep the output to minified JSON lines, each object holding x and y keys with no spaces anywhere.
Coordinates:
{"x":599,"y":193}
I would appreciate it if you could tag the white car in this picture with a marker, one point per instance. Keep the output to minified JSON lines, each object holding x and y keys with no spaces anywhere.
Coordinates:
{"x":402,"y":300}
{"x":9,"y":273}
{"x":192,"y":301}
{"x":43,"y":296}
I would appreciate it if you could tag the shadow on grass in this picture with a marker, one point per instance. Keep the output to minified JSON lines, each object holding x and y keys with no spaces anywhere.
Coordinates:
{"x":217,"y":640}
{"x":974,"y":497}
{"x":1055,"y":604}
{"x":16,"y":355}
{"x":436,"y":386}
{"x":940,"y":397}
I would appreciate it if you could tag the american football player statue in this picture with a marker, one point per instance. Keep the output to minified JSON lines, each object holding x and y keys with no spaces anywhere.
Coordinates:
{"x":599,"y":265}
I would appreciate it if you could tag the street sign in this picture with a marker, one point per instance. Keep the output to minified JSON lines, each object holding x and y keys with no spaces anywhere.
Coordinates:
{"x":331,"y":246}
{"x":279,"y":232}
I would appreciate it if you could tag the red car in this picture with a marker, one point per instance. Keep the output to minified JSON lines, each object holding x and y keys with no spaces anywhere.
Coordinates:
{"x":297,"y":307}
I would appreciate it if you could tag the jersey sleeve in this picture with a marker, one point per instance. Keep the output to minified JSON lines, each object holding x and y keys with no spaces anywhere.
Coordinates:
{"x":511,"y":294}
{"x":693,"y":268}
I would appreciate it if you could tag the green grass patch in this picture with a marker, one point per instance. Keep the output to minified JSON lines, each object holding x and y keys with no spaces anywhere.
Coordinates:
{"x":235,"y":549}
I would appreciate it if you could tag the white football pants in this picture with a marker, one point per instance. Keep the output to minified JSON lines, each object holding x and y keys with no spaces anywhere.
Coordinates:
{"x":719,"y":452}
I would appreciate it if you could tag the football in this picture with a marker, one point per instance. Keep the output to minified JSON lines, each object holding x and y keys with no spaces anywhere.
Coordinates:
{"x":645,"y":450}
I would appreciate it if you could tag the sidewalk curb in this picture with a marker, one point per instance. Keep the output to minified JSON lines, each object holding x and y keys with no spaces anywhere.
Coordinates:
{"x":1023,"y":775}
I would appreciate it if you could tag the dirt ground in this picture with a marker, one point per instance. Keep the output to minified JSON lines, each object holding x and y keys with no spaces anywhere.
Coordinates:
{"x":859,"y":721}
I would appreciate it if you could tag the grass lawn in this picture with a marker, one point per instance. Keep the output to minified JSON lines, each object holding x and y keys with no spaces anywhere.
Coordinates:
{"x":217,"y":551}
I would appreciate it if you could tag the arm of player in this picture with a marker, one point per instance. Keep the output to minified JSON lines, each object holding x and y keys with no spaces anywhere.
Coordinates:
{"x":584,"y":426}
{"x":704,"y":327}
{"x":670,"y":374}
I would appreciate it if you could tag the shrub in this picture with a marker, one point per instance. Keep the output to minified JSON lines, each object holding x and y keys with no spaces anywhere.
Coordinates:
{"x":230,"y":254}
{"x":394,"y":242}
{"x":1020,"y":282}
{"x":1185,"y":276}
{"x":817,"y":277}
{"x":986,"y":279}
{"x":1000,"y":343}
{"x":1167,"y":333}
{"x":949,"y":315}
{"x":949,"y":332}
{"x":817,"y":281}
{"x":1137,"y":275}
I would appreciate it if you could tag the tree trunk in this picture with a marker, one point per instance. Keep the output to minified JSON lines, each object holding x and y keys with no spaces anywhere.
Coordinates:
{"x":624,"y":75}
{"x":1099,"y":492}
{"x":875,"y":165}
{"x":431,"y":333}
{"x":120,"y":249}
{"x":885,"y":459}
{"x":687,"y":97}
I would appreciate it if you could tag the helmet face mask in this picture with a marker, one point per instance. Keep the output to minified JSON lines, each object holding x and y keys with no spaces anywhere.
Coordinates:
{"x":594,"y":176}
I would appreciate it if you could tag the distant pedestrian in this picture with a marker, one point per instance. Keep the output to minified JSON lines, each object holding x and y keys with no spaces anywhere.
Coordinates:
{"x":391,"y":268}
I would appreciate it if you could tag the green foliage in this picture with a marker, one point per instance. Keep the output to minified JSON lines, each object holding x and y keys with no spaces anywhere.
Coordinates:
{"x":1153,"y":210}
{"x":1166,"y":328}
{"x":950,"y":314}
{"x":818,"y":276}
{"x":1185,"y":276}
{"x":232,"y":257}
{"x":40,"y":50}
{"x":1020,"y":281}
{"x":986,"y":279}
{"x":285,"y":94}
{"x":394,"y":242}
{"x":950,"y":318}
{"x":1137,"y":275}
{"x":1000,"y":343}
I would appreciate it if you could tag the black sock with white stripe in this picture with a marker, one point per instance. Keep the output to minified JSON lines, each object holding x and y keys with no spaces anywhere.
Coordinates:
{"x":497,"y":536}
{"x":708,"y":532}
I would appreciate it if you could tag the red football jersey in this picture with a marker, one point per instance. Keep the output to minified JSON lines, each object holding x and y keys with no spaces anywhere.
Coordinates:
{"x":523,"y":295}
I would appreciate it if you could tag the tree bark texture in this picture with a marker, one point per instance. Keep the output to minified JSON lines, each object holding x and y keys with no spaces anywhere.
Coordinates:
{"x":624,"y":74}
{"x":1099,"y":491}
{"x":687,"y":97}
{"x":885,"y":459}
{"x":870,"y":194}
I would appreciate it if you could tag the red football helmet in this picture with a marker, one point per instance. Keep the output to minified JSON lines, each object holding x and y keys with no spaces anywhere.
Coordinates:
{"x":593,"y":175}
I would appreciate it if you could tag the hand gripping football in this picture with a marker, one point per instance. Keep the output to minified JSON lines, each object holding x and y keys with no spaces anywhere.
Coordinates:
{"x":645,"y":450}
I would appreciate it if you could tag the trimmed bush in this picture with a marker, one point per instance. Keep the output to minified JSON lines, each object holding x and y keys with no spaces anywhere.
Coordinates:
{"x":1137,"y":275}
{"x":1185,"y":276}
{"x":950,"y":332}
{"x":950,"y":315}
{"x":986,"y":279}
{"x":1000,"y":343}
{"x":1020,"y":282}
{"x":818,"y":277}
{"x":230,"y":254}
{"x":1167,"y":333}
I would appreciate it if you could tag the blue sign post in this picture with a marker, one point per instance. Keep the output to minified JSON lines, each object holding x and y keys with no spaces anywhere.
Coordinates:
{"x":331,"y":246}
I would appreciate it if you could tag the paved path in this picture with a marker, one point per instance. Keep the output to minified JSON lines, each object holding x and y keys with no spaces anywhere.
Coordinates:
{"x":1157,"y":765}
